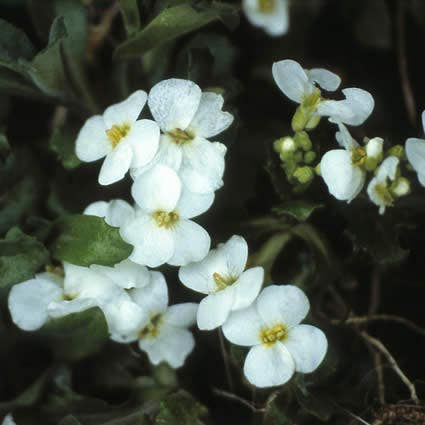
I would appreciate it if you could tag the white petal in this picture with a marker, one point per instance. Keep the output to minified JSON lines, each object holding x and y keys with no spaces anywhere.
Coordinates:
{"x":119,"y":212}
{"x":354,"y":110}
{"x":415,"y":152}
{"x":8,"y":420}
{"x":144,"y":140}
{"x":388,"y":168}
{"x":235,"y":252}
{"x":92,"y":142}
{"x":243,"y":327}
{"x":157,"y":189}
{"x":28,"y":302}
{"x":209,"y":119}
{"x":97,"y":209}
{"x":247,"y":287}
{"x":268,"y":366}
{"x":153,"y":245}
{"x":174,"y":102}
{"x":307,"y":345}
{"x":284,"y":304}
{"x":63,"y":308}
{"x":125,"y":318}
{"x":169,"y":154}
{"x":127,"y":111}
{"x":344,"y":180}
{"x":116,"y":164}
{"x":191,"y":243}
{"x":421,"y":178}
{"x":202,"y":165}
{"x":153,"y":299}
{"x":214,"y":309}
{"x":324,"y":78}
{"x":181,"y":315}
{"x":193,"y":204}
{"x":125,"y":274}
{"x":344,"y":138}
{"x":291,"y":79}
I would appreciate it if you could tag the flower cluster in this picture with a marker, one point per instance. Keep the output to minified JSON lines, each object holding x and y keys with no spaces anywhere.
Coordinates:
{"x":345,"y":169}
{"x":176,"y":170}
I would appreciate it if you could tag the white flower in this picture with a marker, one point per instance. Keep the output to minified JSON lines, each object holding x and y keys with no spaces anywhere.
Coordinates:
{"x":188,"y":118}
{"x":270,"y":15}
{"x":280,"y":345}
{"x":115,"y":212}
{"x":117,"y":134}
{"x":221,"y":276}
{"x":164,"y":335}
{"x":301,"y":86}
{"x":34,"y":302}
{"x":162,"y":231}
{"x":380,"y":188}
{"x":8,"y":420}
{"x":415,"y":152}
{"x":341,"y":169}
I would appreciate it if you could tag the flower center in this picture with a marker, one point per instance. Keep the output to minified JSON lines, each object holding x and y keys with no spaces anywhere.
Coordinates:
{"x":117,"y":132}
{"x":266,"y":6}
{"x":165,"y":219}
{"x":384,"y":194}
{"x":56,"y":270}
{"x":152,"y":329}
{"x":358,"y":156}
{"x":223,"y":282}
{"x":181,"y":137}
{"x":278,"y":332}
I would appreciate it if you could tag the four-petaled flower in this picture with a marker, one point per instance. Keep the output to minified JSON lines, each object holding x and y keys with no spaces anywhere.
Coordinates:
{"x":117,"y":134}
{"x":221,"y":276}
{"x":280,"y":345}
{"x":162,"y":231}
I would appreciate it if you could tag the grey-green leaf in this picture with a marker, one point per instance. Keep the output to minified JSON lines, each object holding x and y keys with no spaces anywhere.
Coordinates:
{"x":84,"y":240}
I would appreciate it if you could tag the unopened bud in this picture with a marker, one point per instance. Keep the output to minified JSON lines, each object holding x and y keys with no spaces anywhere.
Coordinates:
{"x":304,"y":174}
{"x":309,"y":157}
{"x":374,"y":148}
{"x":400,"y":187}
{"x":302,"y":140}
{"x":397,"y":151}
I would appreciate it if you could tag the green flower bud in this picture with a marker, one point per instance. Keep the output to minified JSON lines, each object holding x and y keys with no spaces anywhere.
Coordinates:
{"x":302,"y":140}
{"x":371,"y":163}
{"x":397,"y":151}
{"x":309,"y":157}
{"x":317,"y":169}
{"x":400,"y":187}
{"x":304,"y":174}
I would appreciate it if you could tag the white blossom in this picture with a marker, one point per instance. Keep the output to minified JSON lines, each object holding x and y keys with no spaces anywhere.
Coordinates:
{"x":34,"y":302}
{"x":188,"y":118}
{"x":280,"y":344}
{"x":163,"y":335}
{"x":342,"y":170}
{"x":380,"y":188}
{"x":162,"y":231}
{"x":115,"y":212}
{"x":221,"y":276}
{"x":121,"y":137}
{"x":415,"y":152}
{"x":270,"y":15}
{"x":302,"y":86}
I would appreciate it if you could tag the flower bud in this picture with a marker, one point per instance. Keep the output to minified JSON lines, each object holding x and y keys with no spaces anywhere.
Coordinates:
{"x":309,"y":157}
{"x":374,"y":148}
{"x":300,"y":118}
{"x":304,"y":174}
{"x":302,"y":140}
{"x":400,"y":187}
{"x":397,"y":151}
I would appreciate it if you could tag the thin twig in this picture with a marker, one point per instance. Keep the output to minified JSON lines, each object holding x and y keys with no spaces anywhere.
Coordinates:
{"x":409,"y":98}
{"x":393,"y":363}
{"x":225,"y":360}
{"x":360,"y":320}
{"x":234,"y":397}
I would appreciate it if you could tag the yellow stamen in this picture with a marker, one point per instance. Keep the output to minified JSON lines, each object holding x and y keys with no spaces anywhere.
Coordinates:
{"x":358,"y":156}
{"x":57,"y":270}
{"x":266,"y":6}
{"x":165,"y":219}
{"x":181,"y":137}
{"x":223,"y":282}
{"x":152,"y":329}
{"x":278,"y":332}
{"x":117,"y":132}
{"x":384,"y":194}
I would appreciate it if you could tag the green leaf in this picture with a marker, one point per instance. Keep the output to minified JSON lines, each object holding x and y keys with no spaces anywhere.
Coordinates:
{"x":300,"y":210}
{"x":76,"y":335}
{"x":84,"y":240}
{"x":130,"y":15}
{"x":15,"y":85}
{"x":170,"y":24}
{"x":62,"y":142}
{"x":180,"y":408}
{"x":21,"y":256}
